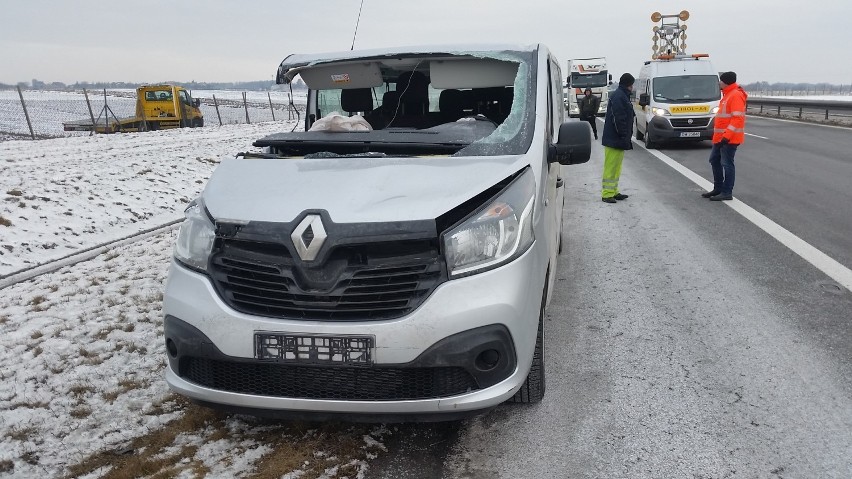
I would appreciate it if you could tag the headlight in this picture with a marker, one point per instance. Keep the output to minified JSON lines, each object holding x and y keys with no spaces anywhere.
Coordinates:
{"x":660,"y":111}
{"x":495,"y":234}
{"x":715,"y":110}
{"x":195,"y":239}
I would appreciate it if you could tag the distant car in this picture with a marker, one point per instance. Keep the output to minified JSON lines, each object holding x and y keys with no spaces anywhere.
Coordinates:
{"x":394,"y":259}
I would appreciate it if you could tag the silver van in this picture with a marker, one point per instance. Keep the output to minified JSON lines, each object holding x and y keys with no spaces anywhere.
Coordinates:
{"x":391,"y":260}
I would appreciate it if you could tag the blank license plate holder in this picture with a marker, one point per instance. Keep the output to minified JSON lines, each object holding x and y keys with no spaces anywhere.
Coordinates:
{"x":314,"y":349}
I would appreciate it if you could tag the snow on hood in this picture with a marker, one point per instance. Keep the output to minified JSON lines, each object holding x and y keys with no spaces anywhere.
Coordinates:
{"x":352,"y":190}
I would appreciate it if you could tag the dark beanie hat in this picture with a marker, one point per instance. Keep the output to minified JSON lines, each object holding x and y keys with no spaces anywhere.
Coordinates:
{"x":728,"y":78}
{"x":626,"y":80}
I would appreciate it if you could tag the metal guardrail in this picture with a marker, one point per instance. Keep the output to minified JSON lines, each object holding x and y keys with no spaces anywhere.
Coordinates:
{"x":799,"y":107}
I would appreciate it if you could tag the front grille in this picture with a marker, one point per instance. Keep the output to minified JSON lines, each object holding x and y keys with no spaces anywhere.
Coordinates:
{"x":684,"y":122}
{"x":360,"y":282}
{"x":333,"y":383}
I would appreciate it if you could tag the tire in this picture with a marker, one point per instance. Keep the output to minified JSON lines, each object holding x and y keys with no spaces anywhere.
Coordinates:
{"x":639,"y":135}
{"x":153,"y":125}
{"x":648,"y":143}
{"x":532,"y":391}
{"x":198,"y":123}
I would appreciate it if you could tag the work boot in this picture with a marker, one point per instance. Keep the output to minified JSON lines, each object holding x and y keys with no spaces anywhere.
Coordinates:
{"x":710,"y":194}
{"x":722,"y":197}
{"x":608,"y":200}
{"x":619,"y":196}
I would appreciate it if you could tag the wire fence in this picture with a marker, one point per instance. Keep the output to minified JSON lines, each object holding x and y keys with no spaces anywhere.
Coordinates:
{"x":803,"y":90}
{"x":39,"y":114}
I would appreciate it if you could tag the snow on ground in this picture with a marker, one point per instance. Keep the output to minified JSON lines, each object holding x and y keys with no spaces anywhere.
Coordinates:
{"x":62,"y":195}
{"x":82,"y":392}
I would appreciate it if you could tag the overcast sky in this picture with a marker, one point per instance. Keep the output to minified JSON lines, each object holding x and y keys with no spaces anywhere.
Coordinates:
{"x":217,"y":40}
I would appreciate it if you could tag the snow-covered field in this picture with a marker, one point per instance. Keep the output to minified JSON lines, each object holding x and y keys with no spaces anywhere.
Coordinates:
{"x":81,"y":355}
{"x":47,"y":110}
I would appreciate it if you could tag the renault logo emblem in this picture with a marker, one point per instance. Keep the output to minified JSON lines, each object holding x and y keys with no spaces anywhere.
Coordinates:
{"x":309,"y":237}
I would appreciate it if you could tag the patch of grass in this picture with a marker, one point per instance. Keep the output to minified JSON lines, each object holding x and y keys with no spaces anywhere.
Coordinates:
{"x":36,"y":335}
{"x":110,"y":255}
{"x":29,"y":405}
{"x":30,"y":457}
{"x":4,"y":221}
{"x":6,"y":466}
{"x":4,"y":318}
{"x":22,"y":434}
{"x":38,"y":303}
{"x":124,"y":386}
{"x":15,"y":192}
{"x":81,"y":389}
{"x":80,"y":412}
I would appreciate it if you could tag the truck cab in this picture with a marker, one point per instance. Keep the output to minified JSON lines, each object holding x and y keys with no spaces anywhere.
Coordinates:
{"x":167,"y":106}
{"x":676,"y":98}
{"x":585,"y":73}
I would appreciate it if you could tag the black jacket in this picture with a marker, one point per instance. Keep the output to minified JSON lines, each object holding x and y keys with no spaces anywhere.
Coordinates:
{"x":588,"y":106}
{"x":618,"y":123}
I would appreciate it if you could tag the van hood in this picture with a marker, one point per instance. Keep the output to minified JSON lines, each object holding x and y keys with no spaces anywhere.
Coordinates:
{"x":352,"y":190}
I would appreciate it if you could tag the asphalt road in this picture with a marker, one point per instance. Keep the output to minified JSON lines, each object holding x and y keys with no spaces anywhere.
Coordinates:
{"x":682,"y":340}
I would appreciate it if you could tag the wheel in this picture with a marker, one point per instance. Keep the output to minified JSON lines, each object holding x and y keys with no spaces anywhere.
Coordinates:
{"x":197,"y":122}
{"x":639,"y":135}
{"x":648,"y":143}
{"x":533,"y":388}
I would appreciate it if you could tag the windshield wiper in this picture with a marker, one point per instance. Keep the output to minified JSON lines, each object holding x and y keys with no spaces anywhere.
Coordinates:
{"x":369,"y":154}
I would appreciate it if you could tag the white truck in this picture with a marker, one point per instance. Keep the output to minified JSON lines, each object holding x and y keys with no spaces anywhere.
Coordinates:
{"x":586,"y":73}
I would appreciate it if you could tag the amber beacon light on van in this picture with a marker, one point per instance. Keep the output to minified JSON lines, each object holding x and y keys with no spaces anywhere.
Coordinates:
{"x":670,"y":36}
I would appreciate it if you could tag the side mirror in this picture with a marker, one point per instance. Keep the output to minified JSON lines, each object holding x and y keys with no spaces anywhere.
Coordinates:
{"x":644,"y":99}
{"x":574,"y":145}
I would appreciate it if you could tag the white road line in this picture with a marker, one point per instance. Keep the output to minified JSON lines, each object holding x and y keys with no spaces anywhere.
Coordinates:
{"x":820,"y":260}
{"x":757,"y":136}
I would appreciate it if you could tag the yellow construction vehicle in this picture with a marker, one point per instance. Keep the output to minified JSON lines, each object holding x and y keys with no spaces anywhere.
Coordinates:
{"x":157,"y":107}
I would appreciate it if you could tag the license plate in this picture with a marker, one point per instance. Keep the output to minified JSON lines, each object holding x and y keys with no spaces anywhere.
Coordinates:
{"x":690,"y":134}
{"x":314,"y":349}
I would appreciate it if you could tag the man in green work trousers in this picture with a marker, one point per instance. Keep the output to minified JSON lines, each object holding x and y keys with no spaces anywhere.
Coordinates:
{"x":617,"y":133}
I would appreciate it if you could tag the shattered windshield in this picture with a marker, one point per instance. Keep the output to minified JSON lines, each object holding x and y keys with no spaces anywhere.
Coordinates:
{"x":465,"y":104}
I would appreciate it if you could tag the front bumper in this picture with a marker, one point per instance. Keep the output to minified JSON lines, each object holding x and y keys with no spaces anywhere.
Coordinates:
{"x":661,"y":129}
{"x":496,"y":310}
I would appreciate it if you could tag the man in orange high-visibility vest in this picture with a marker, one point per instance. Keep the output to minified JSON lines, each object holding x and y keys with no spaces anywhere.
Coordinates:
{"x":728,"y":134}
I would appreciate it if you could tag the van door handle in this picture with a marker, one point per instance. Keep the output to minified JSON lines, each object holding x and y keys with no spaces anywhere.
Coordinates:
{"x":559,"y":182}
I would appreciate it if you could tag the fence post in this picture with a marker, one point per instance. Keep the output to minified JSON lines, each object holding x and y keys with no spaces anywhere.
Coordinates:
{"x":26,"y":115}
{"x":216,"y":105}
{"x":91,"y":114}
{"x":270,"y":106}
{"x":800,"y":112}
{"x":289,"y":106}
{"x":245,"y":105}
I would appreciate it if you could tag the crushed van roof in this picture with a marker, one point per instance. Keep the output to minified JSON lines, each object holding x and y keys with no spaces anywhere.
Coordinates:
{"x":293,"y":64}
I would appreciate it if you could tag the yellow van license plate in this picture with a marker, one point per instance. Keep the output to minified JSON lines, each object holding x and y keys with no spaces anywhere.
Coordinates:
{"x":679,"y":110}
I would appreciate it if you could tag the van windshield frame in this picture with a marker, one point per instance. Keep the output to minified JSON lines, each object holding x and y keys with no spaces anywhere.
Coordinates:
{"x":474,"y":134}
{"x":686,"y":89}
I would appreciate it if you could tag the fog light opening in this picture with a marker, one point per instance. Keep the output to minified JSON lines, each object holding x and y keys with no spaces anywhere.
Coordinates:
{"x":488,"y":359}
{"x":171,"y":347}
